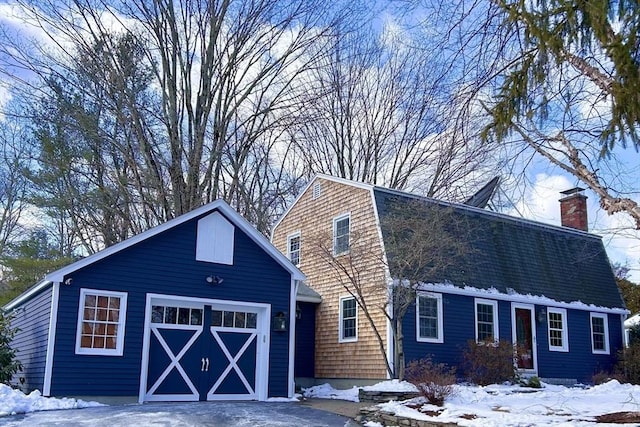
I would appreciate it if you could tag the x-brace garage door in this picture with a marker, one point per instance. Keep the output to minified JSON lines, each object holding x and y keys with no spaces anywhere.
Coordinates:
{"x":205,"y":350}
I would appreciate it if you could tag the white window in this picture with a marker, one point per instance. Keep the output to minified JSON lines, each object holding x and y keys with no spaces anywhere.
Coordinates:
{"x":293,"y":248}
{"x":486,"y":320}
{"x":341,"y":234}
{"x":215,"y":239}
{"x":348,"y":319}
{"x":101,"y":320}
{"x":429,"y":318}
{"x":599,"y":333}
{"x":558,"y":334}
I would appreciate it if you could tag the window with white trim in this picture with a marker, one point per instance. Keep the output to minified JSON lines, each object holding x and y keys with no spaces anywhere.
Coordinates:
{"x":101,"y":320}
{"x":341,"y":226}
{"x":557,"y":325}
{"x":293,"y":248}
{"x":599,"y":333}
{"x":429,"y":318}
{"x":348,"y":319}
{"x":486,"y":320}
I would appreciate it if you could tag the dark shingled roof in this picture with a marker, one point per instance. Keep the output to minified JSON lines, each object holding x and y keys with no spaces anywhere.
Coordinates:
{"x":515,"y":255}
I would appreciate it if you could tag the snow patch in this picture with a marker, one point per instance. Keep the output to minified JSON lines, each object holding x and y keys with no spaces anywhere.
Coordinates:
{"x":16,"y":402}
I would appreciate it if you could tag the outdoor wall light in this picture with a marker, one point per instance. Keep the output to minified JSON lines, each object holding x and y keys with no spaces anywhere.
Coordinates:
{"x":69,"y":281}
{"x":280,"y":322}
{"x":214,"y":280}
{"x":298,"y":312}
{"x":542,"y":315}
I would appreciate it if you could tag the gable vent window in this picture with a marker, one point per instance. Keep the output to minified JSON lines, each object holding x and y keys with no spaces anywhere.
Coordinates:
{"x":317,"y":190}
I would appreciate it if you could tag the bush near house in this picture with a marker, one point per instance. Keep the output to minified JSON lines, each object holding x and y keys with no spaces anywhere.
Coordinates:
{"x":9,"y":365}
{"x":628,"y":366}
{"x":488,"y":362}
{"x":434,"y":381}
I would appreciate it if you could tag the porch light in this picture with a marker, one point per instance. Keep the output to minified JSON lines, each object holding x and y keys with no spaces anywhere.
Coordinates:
{"x":280,"y":322}
{"x":542,"y":315}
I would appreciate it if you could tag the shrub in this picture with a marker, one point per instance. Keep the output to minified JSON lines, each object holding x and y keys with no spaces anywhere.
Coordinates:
{"x":488,"y":362}
{"x":534,"y":382}
{"x":8,"y":363}
{"x":629,"y":363}
{"x":433,"y":380}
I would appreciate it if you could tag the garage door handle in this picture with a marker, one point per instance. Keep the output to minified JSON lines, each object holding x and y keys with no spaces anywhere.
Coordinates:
{"x":202,"y":366}
{"x":207,"y":365}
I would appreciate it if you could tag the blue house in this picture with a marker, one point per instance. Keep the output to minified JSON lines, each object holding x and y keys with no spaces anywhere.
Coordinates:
{"x":202,"y":307}
{"x":549,"y":290}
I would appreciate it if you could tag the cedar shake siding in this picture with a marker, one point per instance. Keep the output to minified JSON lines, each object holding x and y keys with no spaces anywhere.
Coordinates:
{"x":335,"y":359}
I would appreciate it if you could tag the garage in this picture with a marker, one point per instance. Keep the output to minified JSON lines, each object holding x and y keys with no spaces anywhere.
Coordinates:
{"x":199,"y":308}
{"x":204,"y":350}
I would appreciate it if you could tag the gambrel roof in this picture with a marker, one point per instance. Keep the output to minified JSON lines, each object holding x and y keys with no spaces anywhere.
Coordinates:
{"x":516,"y":256}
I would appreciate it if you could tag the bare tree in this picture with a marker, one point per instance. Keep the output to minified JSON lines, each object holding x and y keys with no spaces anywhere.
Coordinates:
{"x":382,"y":111}
{"x":425,"y":241}
{"x":176,"y":103}
{"x":14,"y":159}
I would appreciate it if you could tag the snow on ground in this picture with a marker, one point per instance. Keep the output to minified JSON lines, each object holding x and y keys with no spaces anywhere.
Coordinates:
{"x":16,"y":402}
{"x":507,"y":405}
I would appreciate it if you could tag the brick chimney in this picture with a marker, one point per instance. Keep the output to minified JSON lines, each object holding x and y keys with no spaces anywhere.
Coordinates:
{"x":573,"y":209}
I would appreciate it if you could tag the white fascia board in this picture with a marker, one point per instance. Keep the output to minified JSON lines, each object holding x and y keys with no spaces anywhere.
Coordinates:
{"x":25,"y":296}
{"x":228,"y":211}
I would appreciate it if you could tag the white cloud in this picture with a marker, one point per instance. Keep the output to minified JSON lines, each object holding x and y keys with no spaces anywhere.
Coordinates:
{"x":622,"y":241}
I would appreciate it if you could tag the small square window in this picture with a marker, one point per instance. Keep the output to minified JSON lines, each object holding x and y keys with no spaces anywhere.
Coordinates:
{"x":101,"y":321}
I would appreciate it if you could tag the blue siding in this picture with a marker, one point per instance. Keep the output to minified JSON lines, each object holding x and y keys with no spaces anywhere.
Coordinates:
{"x":459,"y":317}
{"x":164,"y":264}
{"x":305,"y":340}
{"x":32,"y":320}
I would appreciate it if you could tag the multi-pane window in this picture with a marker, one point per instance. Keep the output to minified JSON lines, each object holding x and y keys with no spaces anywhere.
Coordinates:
{"x":101,"y":320}
{"x":234,"y":319}
{"x":348,"y":319}
{"x":341,"y":235}
{"x":486,"y":320}
{"x":430,"y":318}
{"x":599,"y":333}
{"x":557,"y":325}
{"x":170,"y":315}
{"x":293,"y":248}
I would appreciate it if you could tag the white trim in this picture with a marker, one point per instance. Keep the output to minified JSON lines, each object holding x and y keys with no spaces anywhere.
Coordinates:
{"x":341,"y":338}
{"x":494,"y":304}
{"x":336,"y":219}
{"x":289,"y":238}
{"x":122,"y":321}
{"x":440,"y":318}
{"x":606,"y":332}
{"x":26,"y":295}
{"x":263,"y":342}
{"x":234,"y":217}
{"x":292,"y":338}
{"x":565,"y":329}
{"x":51,"y":339}
{"x":527,"y":299}
{"x":534,"y":346}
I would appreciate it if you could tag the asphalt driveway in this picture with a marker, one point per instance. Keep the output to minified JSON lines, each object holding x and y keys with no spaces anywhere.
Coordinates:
{"x":227,"y":414}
